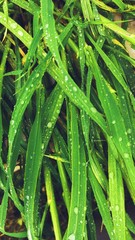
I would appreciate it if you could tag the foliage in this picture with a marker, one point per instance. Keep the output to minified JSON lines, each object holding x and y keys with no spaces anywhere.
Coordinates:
{"x":67,"y":116}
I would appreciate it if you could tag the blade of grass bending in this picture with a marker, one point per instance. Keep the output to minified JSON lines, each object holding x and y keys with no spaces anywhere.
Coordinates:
{"x":15,"y":235}
{"x":21,"y":104}
{"x":63,"y":177}
{"x":16,"y":29}
{"x":120,"y":31}
{"x":2,"y":69}
{"x":50,"y":112}
{"x":32,"y":168}
{"x":70,"y":88}
{"x":63,"y":150}
{"x":119,"y":137}
{"x":116,"y":197}
{"x":60,"y":74}
{"x":115,"y":71}
{"x":52,"y":203}
{"x":3,"y":208}
{"x":30,"y":6}
{"x":102,"y":204}
{"x":78,"y":193}
{"x":130,"y":224}
{"x":32,"y":49}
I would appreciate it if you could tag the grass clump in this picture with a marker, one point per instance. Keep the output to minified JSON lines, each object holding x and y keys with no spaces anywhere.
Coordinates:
{"x":67,"y":111}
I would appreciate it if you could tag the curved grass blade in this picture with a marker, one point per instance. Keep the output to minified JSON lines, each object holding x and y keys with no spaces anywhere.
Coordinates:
{"x":102,"y":204}
{"x":25,"y":95}
{"x":115,"y":71}
{"x":30,"y":6}
{"x":78,"y":204}
{"x":115,"y":122}
{"x":116,"y":197}
{"x":120,"y":31}
{"x":52,"y":203}
{"x":16,"y":29}
{"x":32,"y":168}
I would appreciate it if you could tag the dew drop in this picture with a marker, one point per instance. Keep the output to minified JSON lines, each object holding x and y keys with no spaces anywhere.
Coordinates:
{"x":117,"y":208}
{"x":126,"y":155}
{"x":27,"y":197}
{"x":60,"y":96}
{"x":120,"y":139}
{"x":46,"y":26}
{"x":94,"y":110}
{"x":13,"y":25}
{"x":37,"y":75}
{"x":20,"y":33}
{"x":76,"y":210}
{"x":22,"y":102}
{"x":129,"y":131}
{"x":66,"y":78}
{"x":12,"y":122}
{"x":71,"y":237}
{"x":111,"y":175}
{"x":113,"y":122}
{"x":75,"y":89}
{"x":128,"y":144}
{"x":49,"y":125}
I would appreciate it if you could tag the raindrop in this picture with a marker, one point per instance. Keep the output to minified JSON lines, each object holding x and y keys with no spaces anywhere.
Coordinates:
{"x":49,"y":125}
{"x":126,"y":155}
{"x":71,"y":237}
{"x":27,"y":197}
{"x":117,"y":208}
{"x":129,"y":131}
{"x":12,"y":122}
{"x":113,"y":122}
{"x":76,"y":210}
{"x":66,"y":78}
{"x":75,"y":89}
{"x":111,"y":175}
{"x":13,"y":25}
{"x":60,"y":96}
{"x":22,"y":102}
{"x":120,"y":139}
{"x":20,"y":33}
{"x":37,"y":75}
{"x":93,"y":109}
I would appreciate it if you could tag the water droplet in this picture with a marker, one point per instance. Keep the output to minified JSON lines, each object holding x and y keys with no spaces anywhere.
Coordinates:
{"x":13,"y":25}
{"x":94,"y":110}
{"x":27,"y":197}
{"x":42,"y":147}
{"x":60,"y":96}
{"x":76,"y":210}
{"x":113,"y":122}
{"x":129,"y":131}
{"x":71,"y":237}
{"x":37,"y":75}
{"x":12,"y":122}
{"x":126,"y":155}
{"x":22,"y":102}
{"x":128,"y":144}
{"x":46,"y":26}
{"x":111,"y":175}
{"x":75,"y":89}
{"x":20,"y":33}
{"x":117,"y":208}
{"x":49,"y":125}
{"x":120,"y":139}
{"x":66,"y":78}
